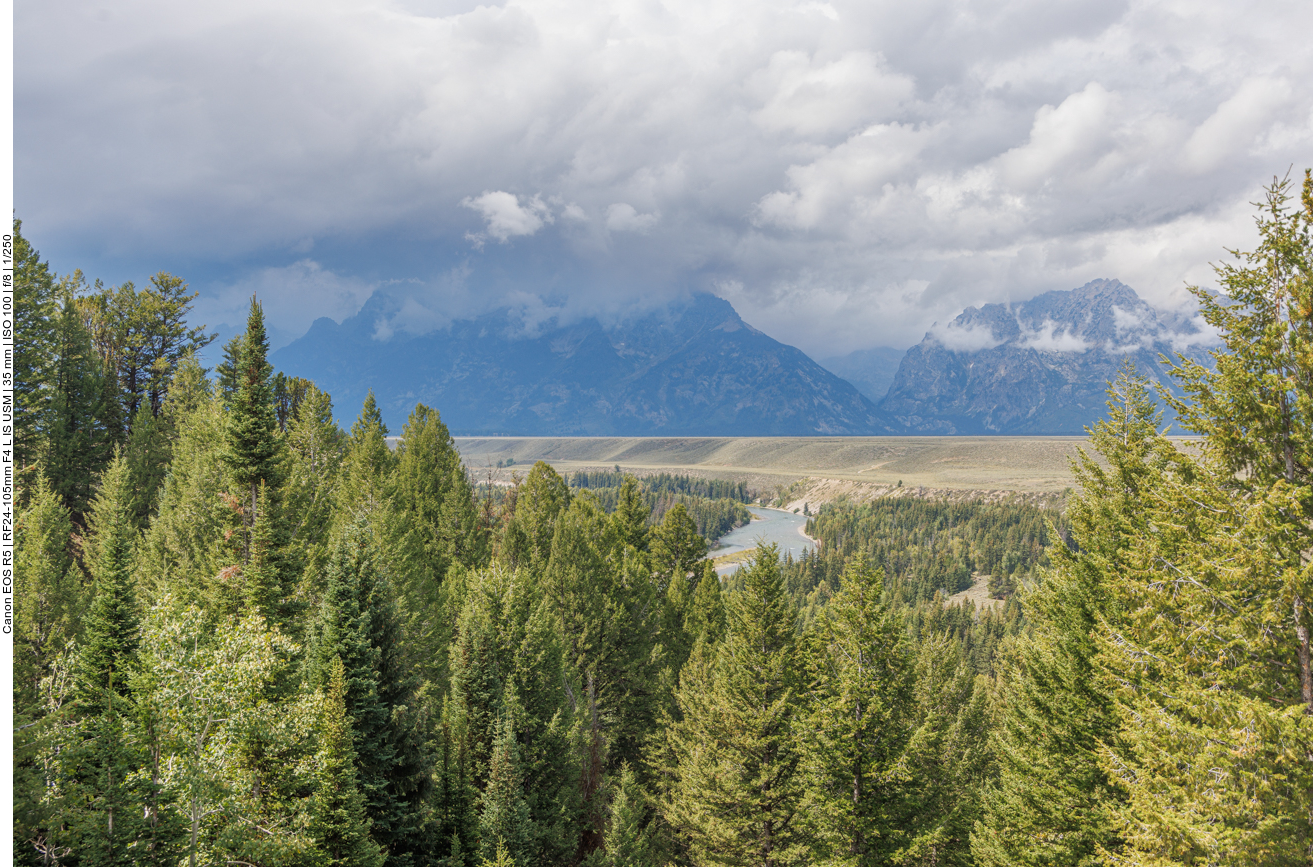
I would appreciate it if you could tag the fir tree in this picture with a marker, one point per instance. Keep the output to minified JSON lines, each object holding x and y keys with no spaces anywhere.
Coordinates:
{"x":676,"y":545}
{"x":368,"y":469}
{"x":78,"y":442}
{"x":253,"y":448}
{"x":737,"y":791}
{"x":630,"y":833}
{"x":36,"y":318}
{"x":46,"y":592}
{"x":857,"y":726}
{"x":338,"y":822}
{"x":112,"y":625}
{"x":1052,"y":803}
{"x":359,"y":624}
{"x":504,"y":823}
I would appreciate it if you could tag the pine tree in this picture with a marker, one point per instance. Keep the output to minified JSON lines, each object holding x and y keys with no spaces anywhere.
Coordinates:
{"x":253,"y":447}
{"x":1208,"y":654}
{"x":112,"y":626}
{"x":857,"y":726}
{"x":1052,"y":803}
{"x":630,"y":833}
{"x":105,"y":796}
{"x":36,"y":318}
{"x":358,"y":623}
{"x":504,"y":823}
{"x":629,"y":520}
{"x":46,"y":592}
{"x":367,"y":475}
{"x":148,"y":452}
{"x":542,"y":498}
{"x":737,"y":791}
{"x":338,"y":822}
{"x":76,"y":440}
{"x":947,"y":756}
{"x":676,"y":545}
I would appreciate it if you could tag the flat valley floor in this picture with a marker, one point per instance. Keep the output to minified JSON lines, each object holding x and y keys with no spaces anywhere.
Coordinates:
{"x":822,"y":467}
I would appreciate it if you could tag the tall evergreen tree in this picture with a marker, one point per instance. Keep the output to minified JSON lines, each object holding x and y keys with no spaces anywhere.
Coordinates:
{"x":359,"y":624}
{"x":1052,"y":803}
{"x":1208,"y":655}
{"x":36,"y":317}
{"x":78,"y":440}
{"x":737,"y":790}
{"x":113,"y":624}
{"x":253,"y":447}
{"x":857,"y":726}
{"x":338,"y":822}
{"x":504,"y":823}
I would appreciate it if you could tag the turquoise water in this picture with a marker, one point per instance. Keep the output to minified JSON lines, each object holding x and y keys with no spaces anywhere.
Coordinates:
{"x":782,"y":528}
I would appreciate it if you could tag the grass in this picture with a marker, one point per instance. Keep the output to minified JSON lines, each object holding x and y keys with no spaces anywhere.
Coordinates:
{"x":1031,"y":464}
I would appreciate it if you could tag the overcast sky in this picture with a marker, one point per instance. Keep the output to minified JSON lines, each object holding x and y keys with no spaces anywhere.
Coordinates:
{"x":845,"y":173}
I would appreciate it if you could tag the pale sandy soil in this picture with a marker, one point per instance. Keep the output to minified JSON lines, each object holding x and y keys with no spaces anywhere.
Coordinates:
{"x":978,"y":593}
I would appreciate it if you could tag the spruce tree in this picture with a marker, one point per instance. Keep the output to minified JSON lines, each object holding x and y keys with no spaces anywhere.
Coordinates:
{"x":253,"y":448}
{"x":857,"y":726}
{"x":338,"y":822}
{"x":629,"y":520}
{"x":630,"y":831}
{"x":36,"y":320}
{"x":77,"y":441}
{"x":112,"y":626}
{"x":676,"y":545}
{"x":367,"y":473}
{"x":359,"y":624}
{"x":1052,"y":803}
{"x":47,"y":594}
{"x":737,"y":790}
{"x":504,"y":823}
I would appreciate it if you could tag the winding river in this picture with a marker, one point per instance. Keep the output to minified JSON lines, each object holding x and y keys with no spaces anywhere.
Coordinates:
{"x":775,"y":525}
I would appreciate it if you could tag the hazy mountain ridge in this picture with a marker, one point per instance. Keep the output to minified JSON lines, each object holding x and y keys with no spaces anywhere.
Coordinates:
{"x":1039,"y":367}
{"x":692,"y":370}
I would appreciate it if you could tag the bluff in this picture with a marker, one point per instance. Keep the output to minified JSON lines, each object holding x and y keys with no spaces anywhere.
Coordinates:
{"x":694,"y":369}
{"x":1039,"y":367}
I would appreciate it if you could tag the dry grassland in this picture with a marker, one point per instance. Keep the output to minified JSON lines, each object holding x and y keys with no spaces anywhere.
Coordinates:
{"x":994,"y":463}
{"x":1029,"y":464}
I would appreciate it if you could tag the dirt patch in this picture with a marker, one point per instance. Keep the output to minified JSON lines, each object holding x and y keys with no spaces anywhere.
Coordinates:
{"x":977,"y":593}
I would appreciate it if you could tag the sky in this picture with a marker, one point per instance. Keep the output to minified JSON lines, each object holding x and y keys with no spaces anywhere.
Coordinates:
{"x":845,"y":173}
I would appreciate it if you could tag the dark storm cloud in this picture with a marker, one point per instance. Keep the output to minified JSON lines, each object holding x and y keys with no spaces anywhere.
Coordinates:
{"x":845,"y":173}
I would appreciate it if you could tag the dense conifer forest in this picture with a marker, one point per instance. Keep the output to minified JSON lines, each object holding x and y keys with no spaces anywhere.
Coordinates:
{"x":248,"y":637}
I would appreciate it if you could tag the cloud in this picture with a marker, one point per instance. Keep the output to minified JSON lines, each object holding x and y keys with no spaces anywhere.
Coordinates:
{"x":859,"y":169}
{"x":506,"y":217}
{"x":972,"y":337}
{"x":621,"y":217}
{"x":1047,"y":338}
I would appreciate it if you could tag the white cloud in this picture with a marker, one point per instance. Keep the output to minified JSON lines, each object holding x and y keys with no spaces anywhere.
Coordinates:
{"x":966,"y":338}
{"x":1048,"y":339}
{"x":1238,"y":123}
{"x":506,"y":217}
{"x":887,"y":164}
{"x":622,"y":217}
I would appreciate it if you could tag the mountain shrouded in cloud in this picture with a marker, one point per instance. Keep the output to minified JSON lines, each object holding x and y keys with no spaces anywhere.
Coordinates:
{"x":844,"y":173}
{"x":1039,"y":367}
{"x":694,"y":369}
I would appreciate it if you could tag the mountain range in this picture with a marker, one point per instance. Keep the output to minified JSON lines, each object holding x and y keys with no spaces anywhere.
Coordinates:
{"x":697,"y":369}
{"x":692,"y":369}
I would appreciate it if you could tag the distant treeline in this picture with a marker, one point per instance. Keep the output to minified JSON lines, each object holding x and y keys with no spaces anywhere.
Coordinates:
{"x":715,"y":506}
{"x":667,"y":483}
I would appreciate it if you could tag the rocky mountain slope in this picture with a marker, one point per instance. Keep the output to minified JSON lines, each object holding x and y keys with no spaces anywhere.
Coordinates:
{"x":693,"y":370}
{"x":1040,"y":367}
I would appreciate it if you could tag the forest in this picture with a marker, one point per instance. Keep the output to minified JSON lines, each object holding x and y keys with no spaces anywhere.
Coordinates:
{"x":245,"y":636}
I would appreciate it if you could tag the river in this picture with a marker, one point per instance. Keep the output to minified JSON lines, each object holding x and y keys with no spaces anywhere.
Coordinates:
{"x":783,"y":528}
